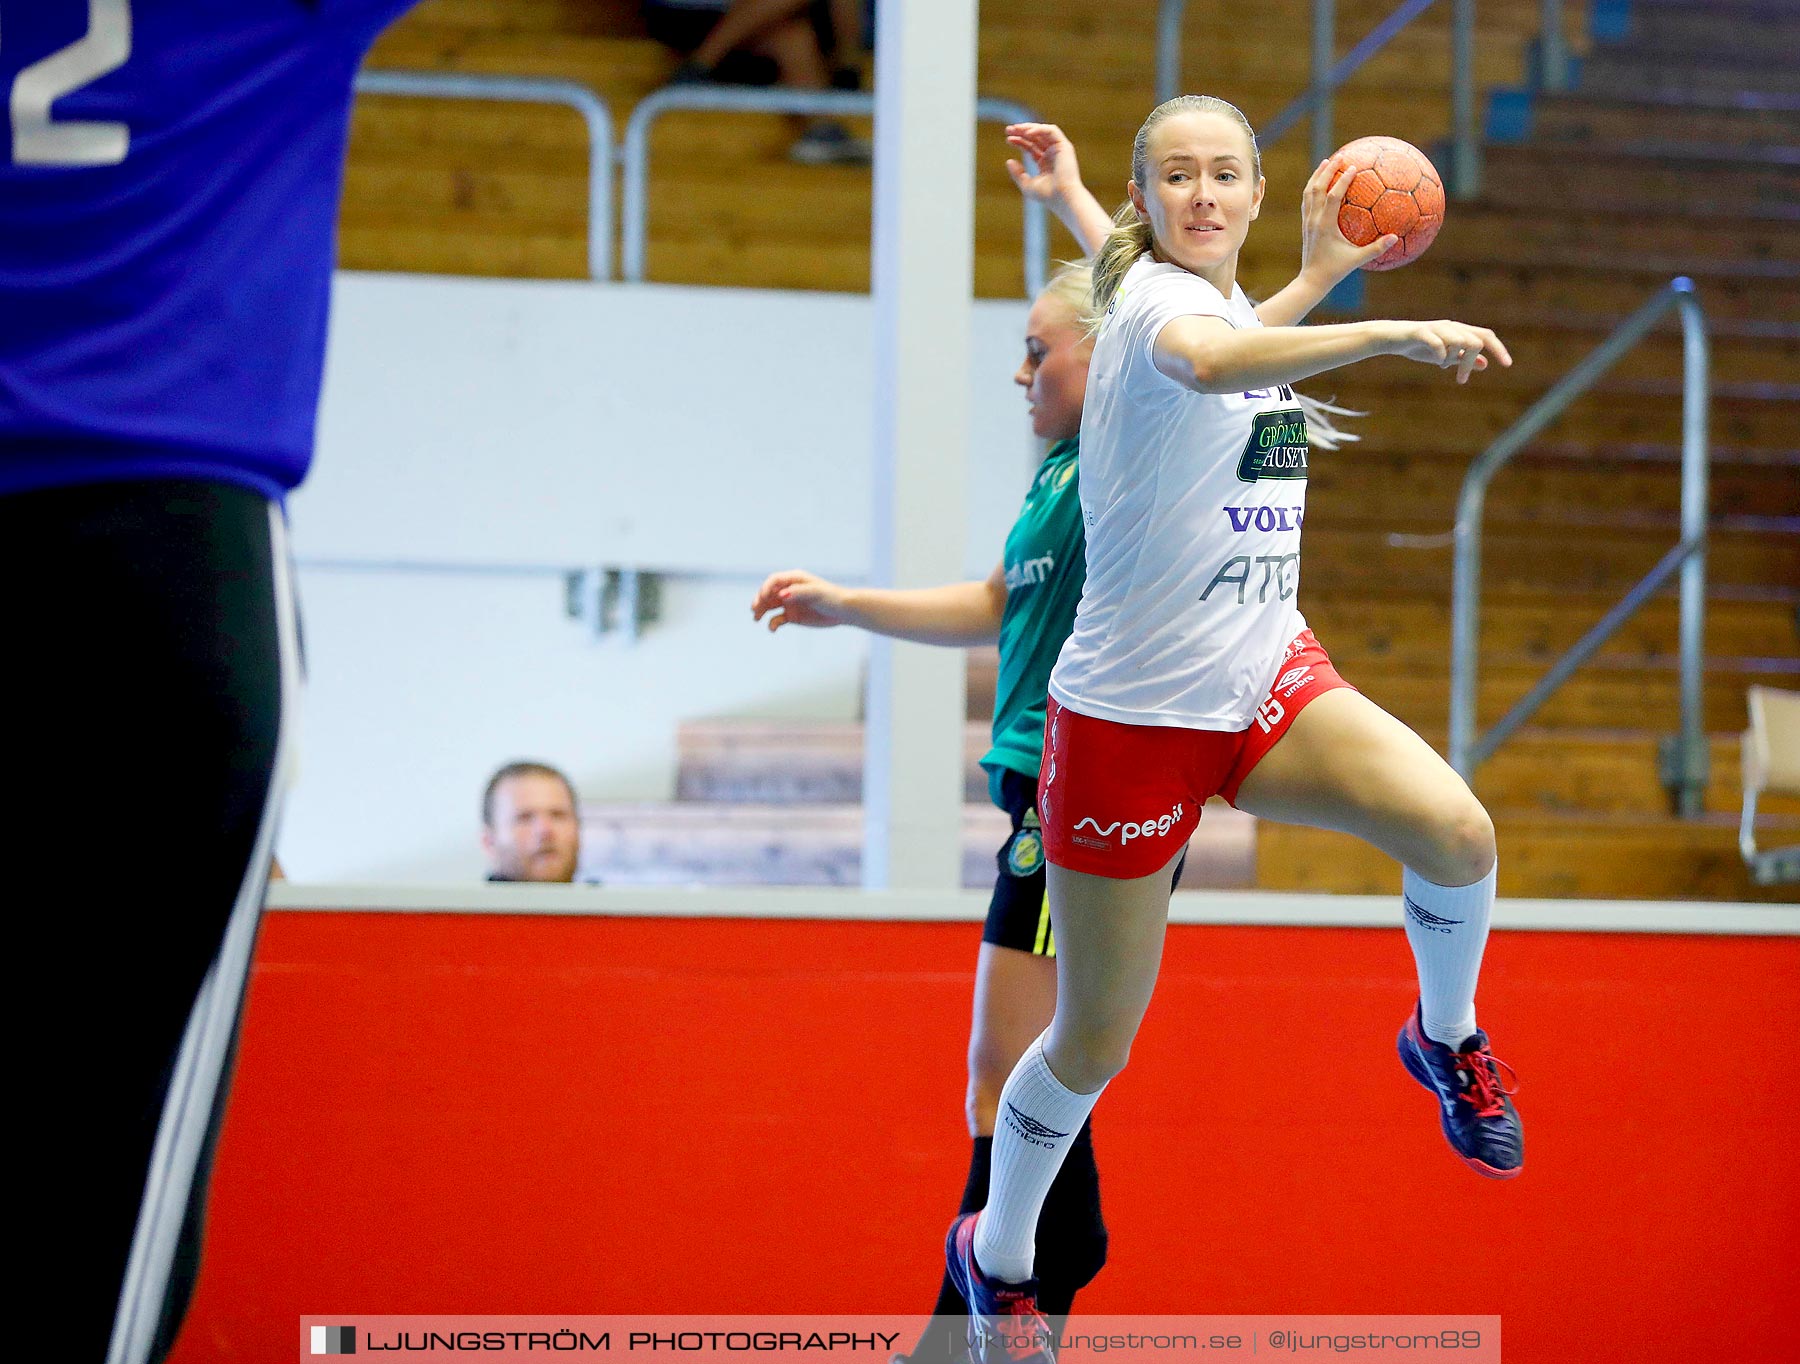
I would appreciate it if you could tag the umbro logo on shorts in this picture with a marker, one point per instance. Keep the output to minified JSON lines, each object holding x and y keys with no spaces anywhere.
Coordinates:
{"x":1292,"y":680}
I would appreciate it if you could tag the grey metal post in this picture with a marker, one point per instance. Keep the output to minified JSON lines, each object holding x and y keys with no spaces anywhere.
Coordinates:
{"x":1553,"y":52}
{"x":1377,"y":38}
{"x":1324,"y":46}
{"x":1036,"y":245}
{"x":1465,"y":624}
{"x":1465,"y":172}
{"x":1691,"y":774}
{"x":1169,"y":17}
{"x":512,"y":90}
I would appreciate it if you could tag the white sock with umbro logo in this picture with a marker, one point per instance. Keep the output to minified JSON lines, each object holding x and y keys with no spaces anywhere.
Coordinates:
{"x":1448,"y":928}
{"x":1038,"y":1121}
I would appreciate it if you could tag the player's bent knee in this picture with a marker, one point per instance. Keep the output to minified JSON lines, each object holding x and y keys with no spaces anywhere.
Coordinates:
{"x":983,"y":1103}
{"x":1085,"y":1063}
{"x":1476,"y":844}
{"x":1465,"y":850}
{"x":989,"y":1067}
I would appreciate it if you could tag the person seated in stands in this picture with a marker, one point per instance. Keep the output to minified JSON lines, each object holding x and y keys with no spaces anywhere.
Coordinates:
{"x":803,"y":44}
{"x":530,"y":828}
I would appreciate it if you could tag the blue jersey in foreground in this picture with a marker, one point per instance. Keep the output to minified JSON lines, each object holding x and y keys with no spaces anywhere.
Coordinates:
{"x":169,"y":185}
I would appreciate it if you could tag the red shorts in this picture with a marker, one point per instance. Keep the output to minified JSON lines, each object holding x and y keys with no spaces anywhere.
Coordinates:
{"x":1121,"y":800}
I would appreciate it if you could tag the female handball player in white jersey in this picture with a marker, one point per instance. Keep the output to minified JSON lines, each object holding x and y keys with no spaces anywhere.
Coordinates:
{"x":1191,"y":673}
{"x":1028,"y":605}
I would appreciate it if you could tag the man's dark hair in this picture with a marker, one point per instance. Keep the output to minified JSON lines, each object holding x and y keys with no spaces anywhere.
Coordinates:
{"x":522,"y":769}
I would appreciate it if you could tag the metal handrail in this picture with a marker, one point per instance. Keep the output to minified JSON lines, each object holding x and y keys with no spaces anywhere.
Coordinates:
{"x":1553,"y":49}
{"x":1316,"y":98}
{"x":1686,"y":769}
{"x":513,"y":90}
{"x":1327,"y":77}
{"x":1170,"y":16}
{"x":635,"y":154}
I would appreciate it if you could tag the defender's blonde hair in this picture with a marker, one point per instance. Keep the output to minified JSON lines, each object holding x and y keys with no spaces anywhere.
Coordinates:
{"x":1073,"y":285}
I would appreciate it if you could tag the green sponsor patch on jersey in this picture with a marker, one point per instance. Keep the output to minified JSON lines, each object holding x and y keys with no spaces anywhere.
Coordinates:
{"x":1276,"y":448}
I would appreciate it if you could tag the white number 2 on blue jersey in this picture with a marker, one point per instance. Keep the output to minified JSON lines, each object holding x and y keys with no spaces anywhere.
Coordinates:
{"x":37,"y":140}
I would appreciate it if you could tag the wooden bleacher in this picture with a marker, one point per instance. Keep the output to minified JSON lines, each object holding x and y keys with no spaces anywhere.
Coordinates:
{"x":454,"y":188}
{"x":1656,"y":165}
{"x":1574,"y":228}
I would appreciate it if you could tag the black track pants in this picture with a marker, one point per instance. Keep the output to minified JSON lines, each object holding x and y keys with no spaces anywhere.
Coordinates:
{"x":151,"y":665}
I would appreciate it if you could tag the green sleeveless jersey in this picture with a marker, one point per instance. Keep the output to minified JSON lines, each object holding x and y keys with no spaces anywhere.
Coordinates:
{"x":1046,"y":564}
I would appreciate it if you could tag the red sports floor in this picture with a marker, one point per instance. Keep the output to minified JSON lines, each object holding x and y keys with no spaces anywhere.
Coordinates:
{"x":502,"y":1114}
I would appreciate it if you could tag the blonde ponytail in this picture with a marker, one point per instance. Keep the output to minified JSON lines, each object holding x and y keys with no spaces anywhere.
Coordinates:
{"x":1321,"y":432}
{"x":1129,"y":240}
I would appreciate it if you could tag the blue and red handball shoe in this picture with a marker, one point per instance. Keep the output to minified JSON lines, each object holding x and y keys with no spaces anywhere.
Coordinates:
{"x":1476,"y":1109}
{"x":1005,"y":1326}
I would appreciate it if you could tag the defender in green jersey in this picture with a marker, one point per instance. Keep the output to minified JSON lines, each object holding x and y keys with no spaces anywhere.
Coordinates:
{"x":1045,"y":567}
{"x":1027,"y":605}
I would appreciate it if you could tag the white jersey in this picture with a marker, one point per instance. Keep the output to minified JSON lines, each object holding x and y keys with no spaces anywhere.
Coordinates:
{"x":1193,"y":504}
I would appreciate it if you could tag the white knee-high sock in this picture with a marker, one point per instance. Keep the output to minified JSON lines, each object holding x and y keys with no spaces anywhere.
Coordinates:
{"x":1039,"y":1119}
{"x":1448,"y":928}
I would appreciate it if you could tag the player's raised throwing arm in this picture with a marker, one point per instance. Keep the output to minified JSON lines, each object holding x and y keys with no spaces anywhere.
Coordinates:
{"x":1327,"y":256}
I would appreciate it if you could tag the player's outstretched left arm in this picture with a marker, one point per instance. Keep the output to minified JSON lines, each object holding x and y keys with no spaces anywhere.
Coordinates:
{"x":1057,"y":183}
{"x":958,"y":614}
{"x":1327,"y":256}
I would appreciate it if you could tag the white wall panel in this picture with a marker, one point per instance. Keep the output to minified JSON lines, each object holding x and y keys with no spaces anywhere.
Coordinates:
{"x":471,"y":423}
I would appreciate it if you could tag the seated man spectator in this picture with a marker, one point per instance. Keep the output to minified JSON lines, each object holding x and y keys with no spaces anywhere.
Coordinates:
{"x":803,"y":44}
{"x":531,"y":830}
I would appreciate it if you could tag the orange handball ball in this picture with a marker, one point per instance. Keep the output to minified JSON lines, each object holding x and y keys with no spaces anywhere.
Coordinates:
{"x":1395,"y":189}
